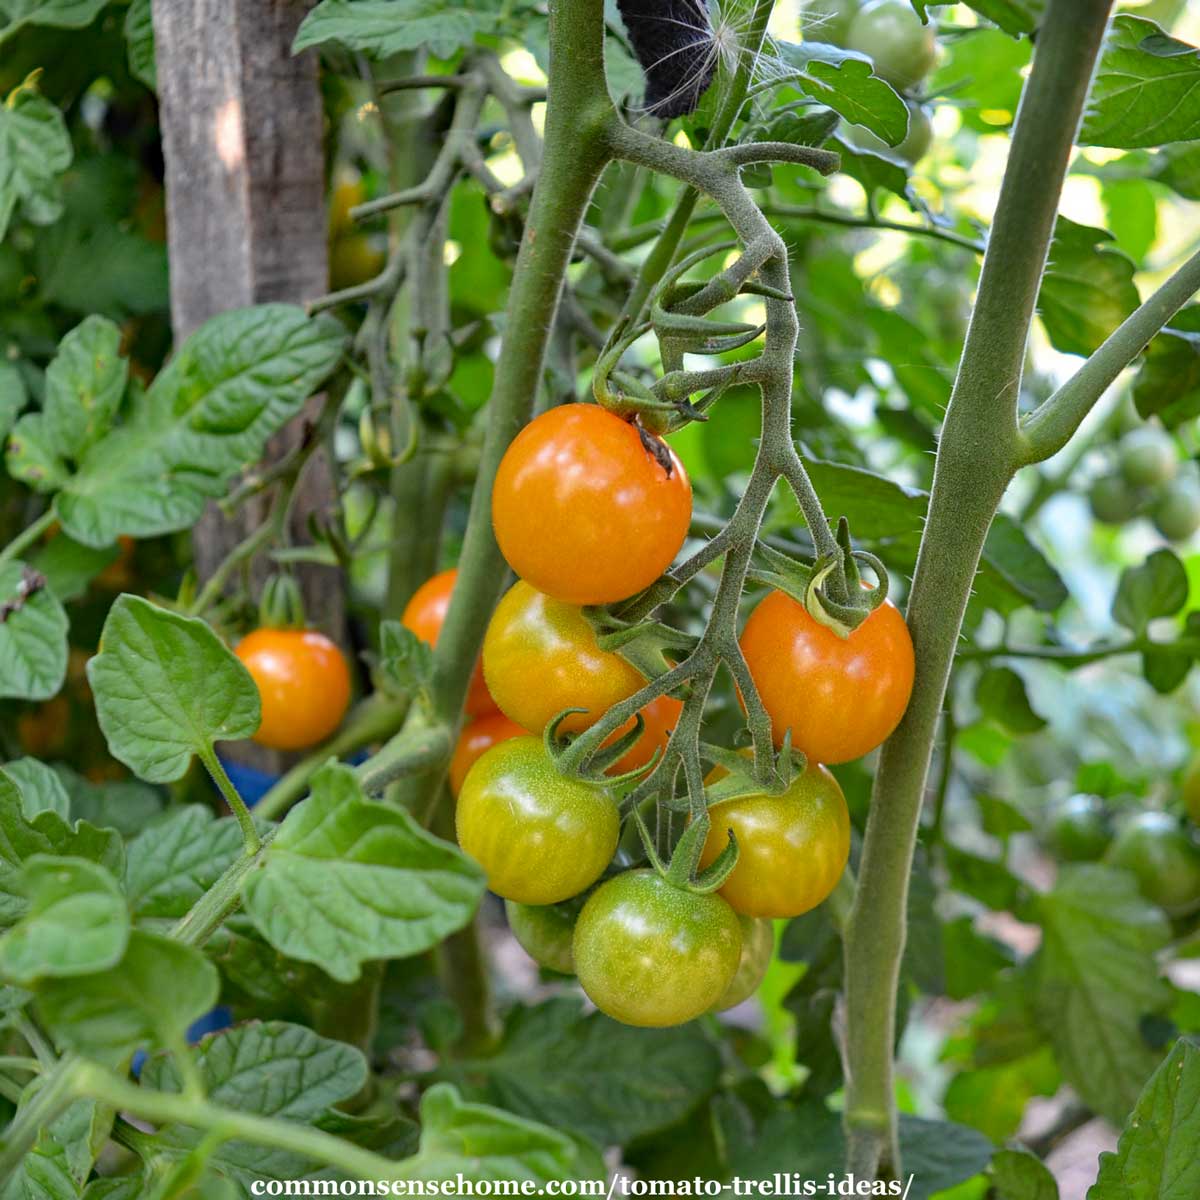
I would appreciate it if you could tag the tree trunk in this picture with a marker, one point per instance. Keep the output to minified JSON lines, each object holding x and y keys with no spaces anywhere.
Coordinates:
{"x":242,"y":129}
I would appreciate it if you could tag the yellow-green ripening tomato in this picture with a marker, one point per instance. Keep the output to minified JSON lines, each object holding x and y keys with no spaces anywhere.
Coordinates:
{"x":544,"y":932}
{"x":758,"y":943}
{"x":539,"y":836}
{"x":652,"y":954}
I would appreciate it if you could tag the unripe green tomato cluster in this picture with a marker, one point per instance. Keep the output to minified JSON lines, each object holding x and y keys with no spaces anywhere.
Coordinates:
{"x":1146,"y":481}
{"x":1078,"y":828}
{"x":1164,"y":859}
{"x":889,"y":32}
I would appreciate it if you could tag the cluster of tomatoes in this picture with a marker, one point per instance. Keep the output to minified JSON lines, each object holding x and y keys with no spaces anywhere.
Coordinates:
{"x":1146,"y":480}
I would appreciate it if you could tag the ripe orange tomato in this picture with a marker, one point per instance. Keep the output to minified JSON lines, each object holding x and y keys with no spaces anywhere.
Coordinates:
{"x":660,"y":716}
{"x":840,"y":697}
{"x":304,"y":683}
{"x":792,"y":847}
{"x":584,"y":511}
{"x":477,"y":738}
{"x":425,"y":615}
{"x":540,"y":656}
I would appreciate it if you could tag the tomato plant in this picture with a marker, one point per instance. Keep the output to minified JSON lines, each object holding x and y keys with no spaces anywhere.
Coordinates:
{"x":475,"y":740}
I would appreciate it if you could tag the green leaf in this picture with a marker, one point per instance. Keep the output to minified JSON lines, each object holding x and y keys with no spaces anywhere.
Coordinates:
{"x":988,"y":881}
{"x":1156,"y":1157}
{"x":41,"y":789}
{"x":611,"y":1083}
{"x":238,"y":379}
{"x":381,"y":28}
{"x":1087,"y":290}
{"x":844,"y":81}
{"x":84,"y":386}
{"x":1000,"y":693}
{"x":485,"y":1143}
{"x":35,"y":149}
{"x":1168,"y":383}
{"x":69,"y":566}
{"x":346,"y":881}
{"x":270,"y":1069}
{"x":1094,"y":978}
{"x":1178,"y":166}
{"x":1146,"y":90}
{"x":177,"y":858}
{"x":149,"y":998}
{"x":1018,"y":1174}
{"x":63,"y":14}
{"x":1157,"y":588}
{"x":63,"y":1155}
{"x":167,"y":688}
{"x":12,"y":396}
{"x":33,"y":635}
{"x":405,"y":661}
{"x":125,"y":805}
{"x":77,"y":922}
{"x":940,"y":1154}
{"x":139,"y":37}
{"x":1015,"y":17}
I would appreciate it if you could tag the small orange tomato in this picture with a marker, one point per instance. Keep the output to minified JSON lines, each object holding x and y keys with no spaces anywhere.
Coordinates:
{"x":660,"y":716}
{"x":540,"y":657}
{"x":584,"y":511}
{"x":304,"y":683}
{"x":792,"y":848}
{"x":425,"y":615}
{"x":477,"y":738}
{"x":840,"y":697}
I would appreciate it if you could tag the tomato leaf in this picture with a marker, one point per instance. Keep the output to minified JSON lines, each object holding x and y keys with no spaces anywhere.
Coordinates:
{"x":271,"y":1069}
{"x":1156,"y":1157}
{"x":167,"y":688}
{"x":940,"y":1154}
{"x":41,"y":789}
{"x":33,"y":635}
{"x":381,"y":28}
{"x":1168,"y":383}
{"x":1146,"y":90}
{"x":1156,"y":588}
{"x":76,"y":922}
{"x":139,"y":39}
{"x":1000,"y":693}
{"x":1015,"y":17}
{"x":149,"y":998}
{"x":35,"y":149}
{"x":61,"y":1160}
{"x":12,"y":396}
{"x":1018,"y":1174}
{"x":1094,"y":978}
{"x":347,"y":880}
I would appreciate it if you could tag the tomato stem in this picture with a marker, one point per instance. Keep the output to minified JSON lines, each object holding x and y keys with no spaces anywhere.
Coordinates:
{"x":250,"y":838}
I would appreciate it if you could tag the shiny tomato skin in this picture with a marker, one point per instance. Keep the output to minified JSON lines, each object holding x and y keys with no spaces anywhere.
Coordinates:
{"x":651,"y":954}
{"x":476,"y":739}
{"x":792,"y":848}
{"x":425,"y":614}
{"x":583,"y":511}
{"x":540,"y":837}
{"x":660,"y":717}
{"x":540,"y":656}
{"x":840,"y":697}
{"x":758,"y":944}
{"x":304,"y":683}
{"x":544,"y":932}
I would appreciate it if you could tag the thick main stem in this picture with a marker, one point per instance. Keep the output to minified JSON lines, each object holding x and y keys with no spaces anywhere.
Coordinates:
{"x":977,"y":455}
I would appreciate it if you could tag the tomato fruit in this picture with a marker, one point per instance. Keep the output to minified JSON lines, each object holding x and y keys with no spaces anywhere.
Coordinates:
{"x":890,"y":33}
{"x":1191,"y":790}
{"x":540,"y":656}
{"x":1148,"y":457}
{"x":660,"y":717}
{"x":840,"y":697}
{"x":1079,"y":828}
{"x":541,"y":837}
{"x":916,"y":141}
{"x":544,"y":932}
{"x":425,"y":614}
{"x":1163,"y":858}
{"x":792,"y":848}
{"x":582,"y":509}
{"x":758,"y":943}
{"x":652,"y":954}
{"x":1176,"y":514}
{"x":827,"y":20}
{"x":353,"y":259}
{"x":304,"y":682}
{"x":1112,"y":500}
{"x":476,"y":739}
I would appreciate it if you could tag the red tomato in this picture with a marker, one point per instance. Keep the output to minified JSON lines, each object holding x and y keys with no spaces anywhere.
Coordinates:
{"x":840,"y":697}
{"x":304,"y":684}
{"x":583,"y":511}
{"x":477,"y":738}
{"x":425,"y":615}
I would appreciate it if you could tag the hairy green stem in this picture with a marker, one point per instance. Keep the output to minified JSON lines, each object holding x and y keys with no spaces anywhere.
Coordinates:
{"x":237,"y":806}
{"x":221,"y":900}
{"x":978,"y":453}
{"x":27,"y":537}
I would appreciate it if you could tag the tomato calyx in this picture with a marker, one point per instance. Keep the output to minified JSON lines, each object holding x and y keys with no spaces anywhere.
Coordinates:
{"x":648,"y":646}
{"x":281,"y":606}
{"x":573,"y":759}
{"x":746,"y":775}
{"x":683,"y":870}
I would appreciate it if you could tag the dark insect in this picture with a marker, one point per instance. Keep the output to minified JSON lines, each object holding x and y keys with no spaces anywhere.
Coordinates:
{"x":673,"y":41}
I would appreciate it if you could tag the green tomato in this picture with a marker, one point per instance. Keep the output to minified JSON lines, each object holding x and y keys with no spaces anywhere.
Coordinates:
{"x":1148,"y":457}
{"x":912,"y":149}
{"x":890,"y":33}
{"x":827,"y":20}
{"x":1079,"y":828}
{"x":758,"y":944}
{"x":1163,"y":858}
{"x":652,"y":954}
{"x":1191,"y":790}
{"x":1176,"y":513}
{"x":540,"y":836}
{"x":1113,"y":501}
{"x":544,"y":932}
